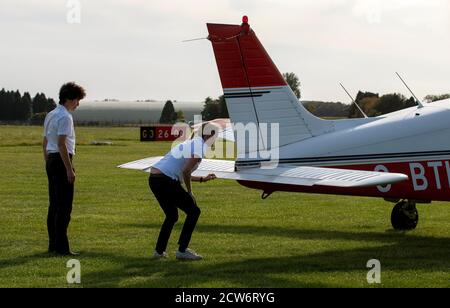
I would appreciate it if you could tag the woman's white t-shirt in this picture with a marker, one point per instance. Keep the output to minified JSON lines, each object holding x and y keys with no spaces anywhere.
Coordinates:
{"x":172,"y":164}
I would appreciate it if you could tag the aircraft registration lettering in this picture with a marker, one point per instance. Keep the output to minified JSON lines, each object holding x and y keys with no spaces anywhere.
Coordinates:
{"x":419,"y":174}
{"x":386,"y":188}
{"x":420,"y":182}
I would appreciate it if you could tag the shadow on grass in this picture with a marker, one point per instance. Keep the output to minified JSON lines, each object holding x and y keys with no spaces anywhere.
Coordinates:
{"x":401,"y":253}
{"x":398,"y":252}
{"x":22,"y":260}
{"x":389,"y":237}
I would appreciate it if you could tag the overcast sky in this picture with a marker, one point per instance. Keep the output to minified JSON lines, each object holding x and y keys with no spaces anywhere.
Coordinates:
{"x":131,"y":49}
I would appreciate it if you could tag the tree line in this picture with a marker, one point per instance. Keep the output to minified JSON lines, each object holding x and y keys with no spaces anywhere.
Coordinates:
{"x":169,"y":115}
{"x":375,"y":105}
{"x":15,"y":107}
{"x":212,"y":109}
{"x":371,"y":103}
{"x":216,"y":108}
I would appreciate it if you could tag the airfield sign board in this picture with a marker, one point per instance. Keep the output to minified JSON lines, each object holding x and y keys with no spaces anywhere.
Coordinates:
{"x":160,"y":133}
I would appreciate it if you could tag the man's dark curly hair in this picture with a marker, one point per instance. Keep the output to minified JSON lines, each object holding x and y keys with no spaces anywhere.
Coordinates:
{"x":70,"y":91}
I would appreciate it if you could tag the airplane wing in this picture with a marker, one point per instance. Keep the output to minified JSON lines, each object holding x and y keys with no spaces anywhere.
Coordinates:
{"x":292,"y":175}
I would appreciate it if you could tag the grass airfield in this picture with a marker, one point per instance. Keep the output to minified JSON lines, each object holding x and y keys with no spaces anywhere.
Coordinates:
{"x":288,"y":240}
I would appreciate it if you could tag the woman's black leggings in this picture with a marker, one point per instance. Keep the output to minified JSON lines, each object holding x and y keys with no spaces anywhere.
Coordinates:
{"x":171,"y":197}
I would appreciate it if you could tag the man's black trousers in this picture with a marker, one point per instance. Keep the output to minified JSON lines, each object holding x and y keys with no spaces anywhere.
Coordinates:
{"x":61,"y":197}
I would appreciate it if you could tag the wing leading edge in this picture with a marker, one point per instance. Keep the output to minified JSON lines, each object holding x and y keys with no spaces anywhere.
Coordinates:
{"x":292,"y":175}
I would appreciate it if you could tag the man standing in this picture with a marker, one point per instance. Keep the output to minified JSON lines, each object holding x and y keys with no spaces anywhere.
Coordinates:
{"x":59,"y":149}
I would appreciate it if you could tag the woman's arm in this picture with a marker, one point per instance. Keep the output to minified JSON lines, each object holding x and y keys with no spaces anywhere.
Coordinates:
{"x":203,"y":179}
{"x":187,"y":174}
{"x":187,"y":171}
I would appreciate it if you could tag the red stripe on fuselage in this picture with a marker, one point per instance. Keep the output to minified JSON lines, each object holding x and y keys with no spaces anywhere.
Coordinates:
{"x":428,"y":181}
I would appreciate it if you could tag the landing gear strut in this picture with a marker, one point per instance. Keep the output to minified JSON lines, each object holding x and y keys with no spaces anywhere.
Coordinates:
{"x":405,"y":215}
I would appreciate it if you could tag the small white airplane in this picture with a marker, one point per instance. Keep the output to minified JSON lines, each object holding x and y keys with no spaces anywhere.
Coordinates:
{"x":403,"y":157}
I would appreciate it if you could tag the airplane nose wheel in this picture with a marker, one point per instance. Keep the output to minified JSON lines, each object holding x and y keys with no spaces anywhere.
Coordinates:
{"x":405,"y":216}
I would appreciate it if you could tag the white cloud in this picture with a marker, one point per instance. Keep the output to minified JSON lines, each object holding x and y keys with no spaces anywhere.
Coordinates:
{"x":414,"y":13}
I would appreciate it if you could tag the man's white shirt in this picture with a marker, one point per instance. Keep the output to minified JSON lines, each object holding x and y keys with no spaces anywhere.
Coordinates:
{"x":59,"y":122}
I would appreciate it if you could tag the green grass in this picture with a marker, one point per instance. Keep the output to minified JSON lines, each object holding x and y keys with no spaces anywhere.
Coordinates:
{"x":289,"y":240}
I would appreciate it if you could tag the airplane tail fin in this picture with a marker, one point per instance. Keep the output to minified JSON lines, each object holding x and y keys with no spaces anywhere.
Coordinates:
{"x":254,"y":89}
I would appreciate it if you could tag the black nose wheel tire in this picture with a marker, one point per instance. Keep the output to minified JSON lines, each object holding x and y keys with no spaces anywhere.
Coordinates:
{"x":405,"y":216}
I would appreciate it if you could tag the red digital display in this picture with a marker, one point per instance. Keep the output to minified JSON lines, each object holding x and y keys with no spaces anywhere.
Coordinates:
{"x":161,"y":133}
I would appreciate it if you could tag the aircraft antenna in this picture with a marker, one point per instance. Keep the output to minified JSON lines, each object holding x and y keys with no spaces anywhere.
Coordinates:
{"x":196,"y":39}
{"x":353,"y":101}
{"x":406,"y":85}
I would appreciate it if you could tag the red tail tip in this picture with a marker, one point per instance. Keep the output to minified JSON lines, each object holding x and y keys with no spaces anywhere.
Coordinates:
{"x":245,"y":19}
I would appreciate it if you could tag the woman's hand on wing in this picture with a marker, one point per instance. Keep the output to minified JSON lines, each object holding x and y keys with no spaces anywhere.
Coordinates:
{"x":209,"y":177}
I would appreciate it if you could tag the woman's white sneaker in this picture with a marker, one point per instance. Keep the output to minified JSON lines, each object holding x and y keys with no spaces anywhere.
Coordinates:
{"x":157,"y":255}
{"x":189,"y":254}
